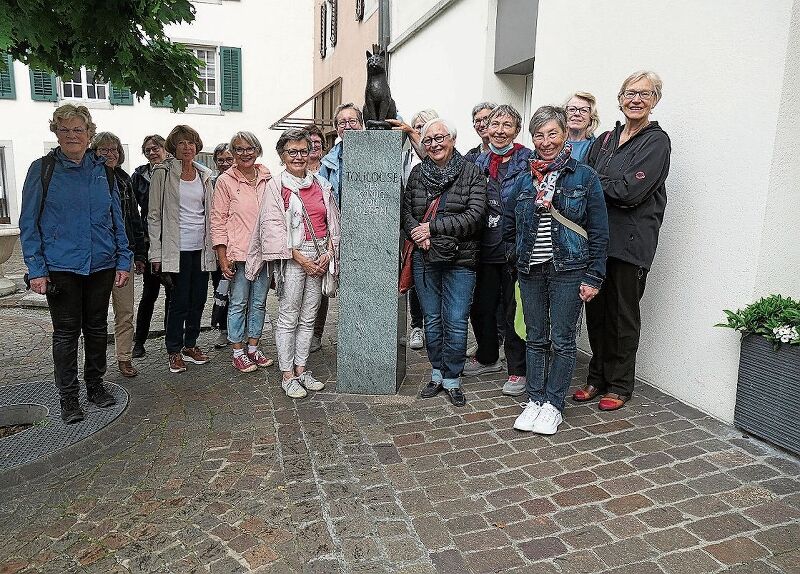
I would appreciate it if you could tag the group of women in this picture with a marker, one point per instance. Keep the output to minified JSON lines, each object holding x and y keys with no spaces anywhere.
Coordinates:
{"x":574,"y":221}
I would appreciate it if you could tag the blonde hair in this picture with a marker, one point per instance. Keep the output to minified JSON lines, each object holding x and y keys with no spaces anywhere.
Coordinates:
{"x":652,"y":77}
{"x":594,"y":117}
{"x":424,"y":116}
{"x":68,"y":111}
{"x":104,"y":137}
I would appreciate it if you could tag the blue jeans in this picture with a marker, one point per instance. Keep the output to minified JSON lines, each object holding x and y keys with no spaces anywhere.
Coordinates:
{"x":445,"y":293}
{"x":551,"y":304}
{"x":247,"y":302}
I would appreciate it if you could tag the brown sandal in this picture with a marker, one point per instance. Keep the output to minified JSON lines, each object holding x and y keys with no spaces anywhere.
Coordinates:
{"x":612,"y":402}
{"x":587,"y":393}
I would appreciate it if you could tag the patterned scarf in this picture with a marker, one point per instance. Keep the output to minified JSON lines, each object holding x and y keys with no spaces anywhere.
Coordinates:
{"x":438,"y":179}
{"x":546,"y":173}
{"x":495,"y":159}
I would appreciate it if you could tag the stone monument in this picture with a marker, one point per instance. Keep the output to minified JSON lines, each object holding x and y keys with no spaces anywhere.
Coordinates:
{"x":372,"y":315}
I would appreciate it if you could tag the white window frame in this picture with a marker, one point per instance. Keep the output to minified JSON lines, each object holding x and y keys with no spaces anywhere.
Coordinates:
{"x":370,"y":10}
{"x":10,"y":190}
{"x":96,"y":103}
{"x":215,"y":107}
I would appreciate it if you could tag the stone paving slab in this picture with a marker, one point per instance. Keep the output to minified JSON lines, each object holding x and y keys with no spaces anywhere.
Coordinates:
{"x":217,"y":471}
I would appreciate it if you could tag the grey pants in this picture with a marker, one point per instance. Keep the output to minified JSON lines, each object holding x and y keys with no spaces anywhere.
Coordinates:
{"x":297,"y":309}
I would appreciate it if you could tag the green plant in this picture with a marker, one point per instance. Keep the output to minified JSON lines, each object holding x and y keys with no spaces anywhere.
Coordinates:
{"x":775,"y":318}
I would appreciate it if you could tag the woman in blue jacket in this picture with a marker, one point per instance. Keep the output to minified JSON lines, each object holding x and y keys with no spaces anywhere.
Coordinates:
{"x":75,"y":247}
{"x":557,"y":221}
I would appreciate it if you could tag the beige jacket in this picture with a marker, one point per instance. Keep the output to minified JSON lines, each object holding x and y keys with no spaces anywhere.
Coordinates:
{"x":163,"y":216}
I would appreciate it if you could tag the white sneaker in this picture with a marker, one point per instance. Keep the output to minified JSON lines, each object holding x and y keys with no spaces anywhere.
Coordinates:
{"x":293,"y":388}
{"x":548,"y":420}
{"x":416,"y":339}
{"x":309,"y":382}
{"x":528,"y":417}
{"x":316,"y":344}
{"x":514,"y":386}
{"x":472,"y":350}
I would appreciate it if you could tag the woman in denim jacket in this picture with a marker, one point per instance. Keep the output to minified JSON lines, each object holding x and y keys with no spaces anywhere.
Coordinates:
{"x":557,"y":221}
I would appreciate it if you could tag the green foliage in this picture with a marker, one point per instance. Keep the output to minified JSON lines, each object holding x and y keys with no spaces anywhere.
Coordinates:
{"x":765,"y":317}
{"x":122,"y":40}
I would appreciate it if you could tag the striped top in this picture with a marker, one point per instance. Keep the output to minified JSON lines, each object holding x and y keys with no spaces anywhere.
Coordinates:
{"x":543,"y":248}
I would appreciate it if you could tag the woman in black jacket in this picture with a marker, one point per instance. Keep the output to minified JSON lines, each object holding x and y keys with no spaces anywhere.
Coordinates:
{"x":632,"y":161}
{"x":443,"y":209}
{"x":109,"y":146}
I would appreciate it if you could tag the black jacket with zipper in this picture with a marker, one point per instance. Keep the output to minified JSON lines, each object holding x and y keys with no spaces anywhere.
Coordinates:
{"x":633,"y":177}
{"x":456,"y":229}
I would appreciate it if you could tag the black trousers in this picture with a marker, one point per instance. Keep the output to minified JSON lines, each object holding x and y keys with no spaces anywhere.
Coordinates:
{"x":613,"y":324}
{"x":216,"y":277}
{"x":144,"y":315}
{"x":322,"y":316}
{"x":495,"y":282}
{"x":186,"y":302}
{"x":81,"y":305}
{"x":415,"y":308}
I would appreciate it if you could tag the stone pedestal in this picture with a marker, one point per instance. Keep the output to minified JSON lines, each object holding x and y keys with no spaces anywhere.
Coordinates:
{"x":372,"y":316}
{"x":8,"y":238}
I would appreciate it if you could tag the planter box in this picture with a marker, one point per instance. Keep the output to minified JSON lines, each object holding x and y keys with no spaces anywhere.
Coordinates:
{"x":768,"y":393}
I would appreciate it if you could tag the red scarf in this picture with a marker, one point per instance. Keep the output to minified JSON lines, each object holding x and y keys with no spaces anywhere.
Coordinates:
{"x":496,"y":159}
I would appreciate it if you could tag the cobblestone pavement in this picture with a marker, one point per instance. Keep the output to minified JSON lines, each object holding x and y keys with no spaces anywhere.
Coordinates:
{"x":213,"y":470}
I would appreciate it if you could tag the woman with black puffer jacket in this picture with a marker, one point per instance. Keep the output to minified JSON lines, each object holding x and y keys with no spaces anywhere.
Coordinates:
{"x":443,"y":210}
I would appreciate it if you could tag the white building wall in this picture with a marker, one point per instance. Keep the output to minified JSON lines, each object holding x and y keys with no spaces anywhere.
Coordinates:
{"x":731,"y":108}
{"x":449,"y":64}
{"x":276,"y":74}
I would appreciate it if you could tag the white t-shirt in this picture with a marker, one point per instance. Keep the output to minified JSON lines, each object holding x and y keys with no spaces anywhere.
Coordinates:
{"x":193,"y":218}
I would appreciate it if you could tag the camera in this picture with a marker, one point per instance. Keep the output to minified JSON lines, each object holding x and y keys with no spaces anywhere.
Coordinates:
{"x":51,"y":287}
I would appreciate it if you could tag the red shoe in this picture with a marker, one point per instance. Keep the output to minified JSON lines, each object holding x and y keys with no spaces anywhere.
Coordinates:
{"x":587,"y":393}
{"x":243,"y":364}
{"x":260,"y":359}
{"x":612,"y":402}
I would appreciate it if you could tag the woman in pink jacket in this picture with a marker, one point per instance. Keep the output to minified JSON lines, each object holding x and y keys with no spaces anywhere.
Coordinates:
{"x":237,"y":198}
{"x":296,"y":209}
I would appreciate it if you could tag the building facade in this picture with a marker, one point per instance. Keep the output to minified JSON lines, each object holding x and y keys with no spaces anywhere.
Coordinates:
{"x":731,"y":233}
{"x":256,"y":67}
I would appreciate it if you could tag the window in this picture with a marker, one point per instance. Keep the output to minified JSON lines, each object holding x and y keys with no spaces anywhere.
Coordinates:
{"x":207,"y":96}
{"x":207,"y":159}
{"x":5,"y":212}
{"x":7,"y":89}
{"x":83,"y":85}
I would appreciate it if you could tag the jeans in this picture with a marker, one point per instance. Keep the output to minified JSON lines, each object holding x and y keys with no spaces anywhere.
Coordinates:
{"x":247,"y":300}
{"x":445,"y":293}
{"x":80,"y":306}
{"x":494,"y":284}
{"x":186,"y":303}
{"x":613,"y":323}
{"x":551,"y":303}
{"x":150,"y":289}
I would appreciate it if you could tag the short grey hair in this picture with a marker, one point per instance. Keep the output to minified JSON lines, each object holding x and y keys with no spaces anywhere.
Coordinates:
{"x":347,"y":106}
{"x":652,"y":77}
{"x":506,"y":110}
{"x":425,"y":116}
{"x":482,"y":106}
{"x":292,"y":135}
{"x":448,"y":125}
{"x":547,"y":114}
{"x":221,"y":148}
{"x":250,"y":138}
{"x":107,"y":137}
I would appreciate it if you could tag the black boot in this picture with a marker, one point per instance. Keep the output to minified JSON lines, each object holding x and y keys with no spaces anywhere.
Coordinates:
{"x":98,"y":395}
{"x":138,"y":350}
{"x":71,"y":410}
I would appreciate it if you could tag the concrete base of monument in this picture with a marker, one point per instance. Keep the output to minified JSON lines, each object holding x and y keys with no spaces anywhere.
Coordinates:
{"x":372,"y":316}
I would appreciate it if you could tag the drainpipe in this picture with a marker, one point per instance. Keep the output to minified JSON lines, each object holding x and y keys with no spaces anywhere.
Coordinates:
{"x":384,"y":23}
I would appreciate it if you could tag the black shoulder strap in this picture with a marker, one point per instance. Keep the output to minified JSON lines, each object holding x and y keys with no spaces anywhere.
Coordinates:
{"x":48,"y":165}
{"x":111,"y":177}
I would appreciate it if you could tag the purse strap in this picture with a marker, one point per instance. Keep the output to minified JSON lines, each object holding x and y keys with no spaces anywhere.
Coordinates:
{"x":310,"y":225}
{"x":432,"y":209}
{"x":568,"y":223}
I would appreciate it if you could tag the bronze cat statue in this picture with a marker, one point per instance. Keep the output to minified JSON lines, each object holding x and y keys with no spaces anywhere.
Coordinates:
{"x":378,"y":103}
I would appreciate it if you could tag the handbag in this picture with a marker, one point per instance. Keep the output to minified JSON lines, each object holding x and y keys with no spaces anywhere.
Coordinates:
{"x":330,"y":281}
{"x":406,"y":280}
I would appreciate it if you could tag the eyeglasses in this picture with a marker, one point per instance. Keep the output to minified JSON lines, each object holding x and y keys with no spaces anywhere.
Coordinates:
{"x":438,"y":138}
{"x":584,"y":111}
{"x":316,"y":144}
{"x":107,"y":150}
{"x":643,"y":94}
{"x":225,"y":160}
{"x":73,"y":131}
{"x":480,"y":121}
{"x":244,"y":150}
{"x":351,"y":123}
{"x":296,"y":152}
{"x":418,"y":128}
{"x":149,"y":150}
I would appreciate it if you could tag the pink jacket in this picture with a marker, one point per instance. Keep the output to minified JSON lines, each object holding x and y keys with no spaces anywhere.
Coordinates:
{"x":270,"y":239}
{"x":235,"y":209}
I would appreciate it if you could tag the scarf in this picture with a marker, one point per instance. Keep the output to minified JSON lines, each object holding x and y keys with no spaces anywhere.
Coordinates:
{"x":495,"y":159}
{"x":295,"y":184}
{"x":437,"y":179}
{"x":546,"y":174}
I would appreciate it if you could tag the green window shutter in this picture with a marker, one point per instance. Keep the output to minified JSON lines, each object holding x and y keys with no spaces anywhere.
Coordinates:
{"x":7,"y":89}
{"x":120,"y":96}
{"x":165,"y":103}
{"x":43,"y":86}
{"x":231,"y":72}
